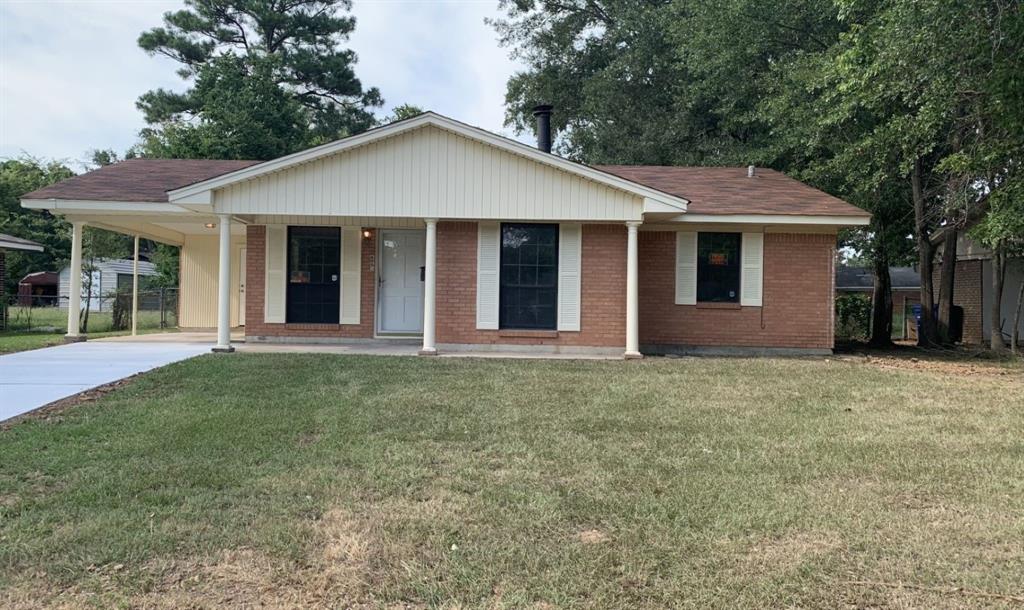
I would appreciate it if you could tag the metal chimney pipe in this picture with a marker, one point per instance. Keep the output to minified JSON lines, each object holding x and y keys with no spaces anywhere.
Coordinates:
{"x":543,"y":114}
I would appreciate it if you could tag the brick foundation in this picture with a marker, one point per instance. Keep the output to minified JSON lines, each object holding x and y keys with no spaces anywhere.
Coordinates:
{"x":798,"y":301}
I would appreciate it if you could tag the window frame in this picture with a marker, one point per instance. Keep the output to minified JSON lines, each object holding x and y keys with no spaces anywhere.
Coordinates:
{"x":738,"y":266}
{"x":503,"y":323}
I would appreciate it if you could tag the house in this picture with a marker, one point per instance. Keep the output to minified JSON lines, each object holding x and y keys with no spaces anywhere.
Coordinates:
{"x":906,"y":292}
{"x":10,"y":242}
{"x":108,"y":277}
{"x":973,"y":290}
{"x":39,"y":289}
{"x":431,"y":229}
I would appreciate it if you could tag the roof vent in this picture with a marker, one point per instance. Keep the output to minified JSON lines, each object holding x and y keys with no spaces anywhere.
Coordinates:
{"x":751,"y":171}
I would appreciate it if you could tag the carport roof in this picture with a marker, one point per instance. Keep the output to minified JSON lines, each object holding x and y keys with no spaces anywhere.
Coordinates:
{"x":137,"y":180}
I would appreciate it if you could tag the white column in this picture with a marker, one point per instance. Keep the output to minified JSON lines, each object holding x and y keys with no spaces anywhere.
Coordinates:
{"x":632,"y":294}
{"x":135,"y":289}
{"x":430,"y":290}
{"x":224,"y":287}
{"x":75,"y":283}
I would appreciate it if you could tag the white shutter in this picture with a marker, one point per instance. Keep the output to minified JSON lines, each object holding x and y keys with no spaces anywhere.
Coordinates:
{"x":351,"y":268}
{"x":686,"y":268}
{"x":751,"y":276}
{"x":488,"y":257}
{"x":274,"y":280}
{"x":570,"y":255}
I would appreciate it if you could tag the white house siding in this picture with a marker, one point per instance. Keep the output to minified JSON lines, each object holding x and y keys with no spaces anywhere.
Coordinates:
{"x":434,"y":173}
{"x":108,"y":270}
{"x":197,"y":281}
{"x":1008,"y":304}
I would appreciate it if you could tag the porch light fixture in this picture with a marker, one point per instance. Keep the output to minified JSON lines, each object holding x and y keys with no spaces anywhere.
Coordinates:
{"x":210,"y":225}
{"x":366,"y":234}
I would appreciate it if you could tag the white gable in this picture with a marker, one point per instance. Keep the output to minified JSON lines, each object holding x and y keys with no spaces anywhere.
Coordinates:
{"x":429,"y":166}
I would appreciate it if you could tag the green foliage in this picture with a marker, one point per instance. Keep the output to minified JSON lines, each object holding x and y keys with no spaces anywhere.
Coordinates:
{"x":269,"y":78}
{"x":165,"y":259}
{"x":17,"y":177}
{"x":400,"y":113}
{"x":853,"y":316}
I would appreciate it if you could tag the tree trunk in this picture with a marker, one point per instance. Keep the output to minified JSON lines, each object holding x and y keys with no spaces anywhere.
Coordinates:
{"x":881,"y":303}
{"x":995,"y":323}
{"x":1015,"y":334}
{"x":927,"y":337}
{"x":947,"y":275}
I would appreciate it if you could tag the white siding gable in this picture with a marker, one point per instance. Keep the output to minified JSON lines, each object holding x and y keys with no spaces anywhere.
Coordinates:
{"x":429,"y":173}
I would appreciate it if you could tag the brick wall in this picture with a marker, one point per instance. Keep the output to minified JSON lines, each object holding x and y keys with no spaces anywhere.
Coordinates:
{"x":254,"y":282}
{"x":602,"y":282}
{"x":967,"y":291}
{"x":798,"y":299}
{"x":797,"y":295}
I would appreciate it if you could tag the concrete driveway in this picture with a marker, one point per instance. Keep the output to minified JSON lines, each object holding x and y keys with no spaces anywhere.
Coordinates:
{"x":29,"y":380}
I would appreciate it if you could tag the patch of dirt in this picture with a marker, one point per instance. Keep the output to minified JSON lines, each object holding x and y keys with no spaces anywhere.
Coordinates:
{"x":958,"y":368}
{"x":788,"y":552}
{"x":54,"y":411}
{"x":338,"y":575}
{"x":592,"y":536}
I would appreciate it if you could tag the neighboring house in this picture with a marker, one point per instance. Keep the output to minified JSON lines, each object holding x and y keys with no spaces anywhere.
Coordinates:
{"x":39,"y":289}
{"x":10,"y":242}
{"x":973,"y":290}
{"x":906,"y":292}
{"x":433,"y":229}
{"x":108,"y":277}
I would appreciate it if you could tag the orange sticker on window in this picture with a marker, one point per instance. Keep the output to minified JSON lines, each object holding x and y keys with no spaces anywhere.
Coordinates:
{"x":718,"y":259}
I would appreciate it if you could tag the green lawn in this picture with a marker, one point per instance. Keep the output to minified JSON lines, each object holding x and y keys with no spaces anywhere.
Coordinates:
{"x":315,"y":480}
{"x":36,"y":327}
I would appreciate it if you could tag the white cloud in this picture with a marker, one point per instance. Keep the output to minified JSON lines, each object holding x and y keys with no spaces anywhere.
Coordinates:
{"x":70,"y":72}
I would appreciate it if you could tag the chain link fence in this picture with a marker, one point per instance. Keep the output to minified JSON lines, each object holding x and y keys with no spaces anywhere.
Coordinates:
{"x":158,"y":309}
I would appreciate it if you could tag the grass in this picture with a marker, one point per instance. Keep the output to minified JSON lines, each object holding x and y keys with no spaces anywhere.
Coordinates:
{"x":37,"y":327}
{"x":317,"y":480}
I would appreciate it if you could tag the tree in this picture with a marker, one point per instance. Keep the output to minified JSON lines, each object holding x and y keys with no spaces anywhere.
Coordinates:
{"x":403,"y":112}
{"x":17,"y":177}
{"x":269,"y":78}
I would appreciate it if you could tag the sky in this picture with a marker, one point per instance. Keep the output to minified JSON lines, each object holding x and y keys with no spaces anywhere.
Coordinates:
{"x":70,"y":71}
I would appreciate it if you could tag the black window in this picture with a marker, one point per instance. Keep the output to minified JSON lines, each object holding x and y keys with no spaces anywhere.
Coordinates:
{"x":529,"y":276}
{"x":314,"y":270}
{"x":718,"y":267}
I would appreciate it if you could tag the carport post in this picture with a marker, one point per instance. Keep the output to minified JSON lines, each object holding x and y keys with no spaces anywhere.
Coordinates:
{"x":632,"y":293}
{"x":135,"y":289}
{"x":224,"y":287}
{"x":75,"y":283}
{"x":430,"y":289}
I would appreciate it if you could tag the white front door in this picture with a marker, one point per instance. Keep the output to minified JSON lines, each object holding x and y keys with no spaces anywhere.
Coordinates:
{"x":400,"y":281}
{"x":241,"y":287}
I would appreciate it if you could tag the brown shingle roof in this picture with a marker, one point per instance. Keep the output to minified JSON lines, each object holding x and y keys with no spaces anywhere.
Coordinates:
{"x":137,"y":180}
{"x":728,"y":190}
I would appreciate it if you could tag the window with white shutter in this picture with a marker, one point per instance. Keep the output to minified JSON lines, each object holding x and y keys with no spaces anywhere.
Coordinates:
{"x":570,"y":259}
{"x":752,"y":274}
{"x":351,"y":267}
{"x":488,"y":259}
{"x":274,"y":280}
{"x":686,"y":268}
